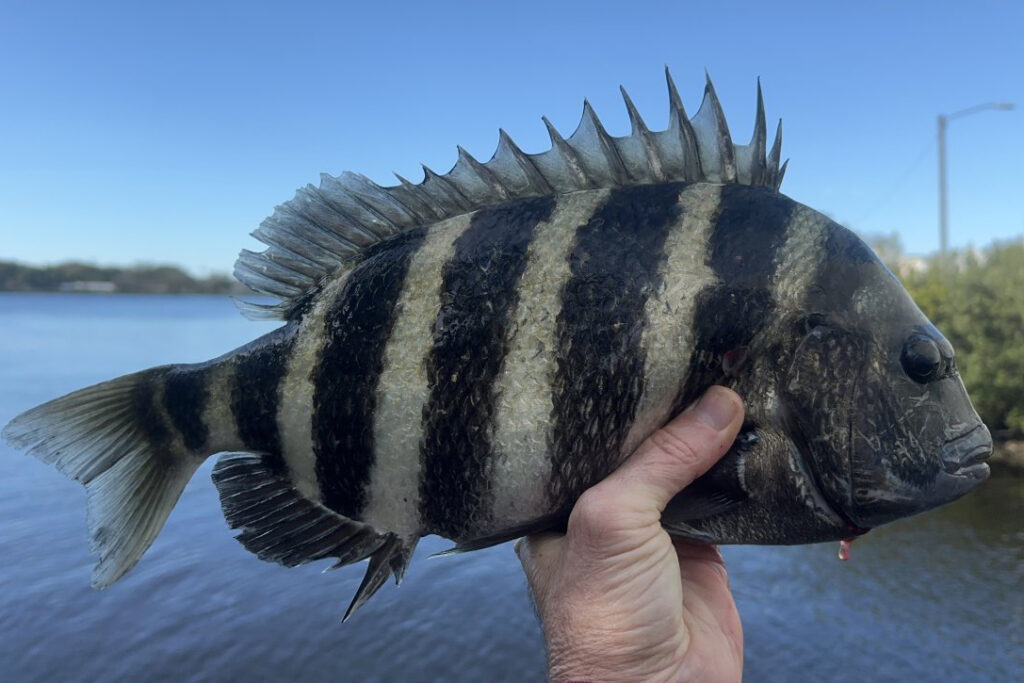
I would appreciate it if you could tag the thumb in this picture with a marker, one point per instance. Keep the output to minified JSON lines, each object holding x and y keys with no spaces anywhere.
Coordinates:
{"x":672,"y":457}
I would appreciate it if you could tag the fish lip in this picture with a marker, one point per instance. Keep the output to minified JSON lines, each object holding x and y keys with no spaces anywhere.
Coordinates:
{"x":965,"y":455}
{"x":978,"y":471}
{"x":962,"y":469}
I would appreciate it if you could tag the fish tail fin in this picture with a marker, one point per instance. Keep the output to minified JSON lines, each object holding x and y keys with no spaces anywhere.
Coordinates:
{"x":114,"y":438}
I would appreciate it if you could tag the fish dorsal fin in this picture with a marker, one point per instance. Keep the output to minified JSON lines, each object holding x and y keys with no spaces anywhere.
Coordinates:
{"x":323,"y":230}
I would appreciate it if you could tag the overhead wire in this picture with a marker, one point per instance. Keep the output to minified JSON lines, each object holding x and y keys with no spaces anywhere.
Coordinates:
{"x":895,"y":187}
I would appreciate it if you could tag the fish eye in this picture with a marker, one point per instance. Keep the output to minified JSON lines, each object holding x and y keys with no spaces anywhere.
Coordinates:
{"x":921,"y":358}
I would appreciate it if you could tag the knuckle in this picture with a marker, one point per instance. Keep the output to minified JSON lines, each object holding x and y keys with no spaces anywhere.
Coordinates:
{"x":593,"y":516}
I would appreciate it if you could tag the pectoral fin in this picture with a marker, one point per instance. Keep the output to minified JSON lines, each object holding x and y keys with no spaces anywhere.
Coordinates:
{"x":719,"y":490}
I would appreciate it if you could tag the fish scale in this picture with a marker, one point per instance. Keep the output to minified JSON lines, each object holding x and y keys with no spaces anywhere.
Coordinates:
{"x":466,"y":355}
{"x":357,"y":326}
{"x":478,"y":297}
{"x":615,"y":265}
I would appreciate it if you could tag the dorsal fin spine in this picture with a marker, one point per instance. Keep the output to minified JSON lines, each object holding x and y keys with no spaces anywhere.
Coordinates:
{"x":446,"y":191}
{"x":409,"y":193}
{"x":774,"y":175}
{"x":591,"y":124}
{"x":326,"y":228}
{"x":636,"y":122}
{"x":382,"y":201}
{"x":782,"y":172}
{"x":679,"y":126}
{"x":640,"y":131}
{"x":758,"y":142}
{"x":567,"y":155}
{"x":506,"y":145}
{"x":486,"y":176}
{"x":714,"y":144}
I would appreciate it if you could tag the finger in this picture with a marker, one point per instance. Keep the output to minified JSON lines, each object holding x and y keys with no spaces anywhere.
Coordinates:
{"x":679,"y":452}
{"x":702,"y":566}
{"x":700,"y":552}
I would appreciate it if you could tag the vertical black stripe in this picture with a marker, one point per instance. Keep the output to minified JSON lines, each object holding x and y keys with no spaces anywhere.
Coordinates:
{"x":185,"y":397}
{"x":615,"y":265}
{"x":744,"y":252}
{"x":478,"y":295}
{"x":145,"y":415}
{"x":849,"y":266}
{"x":357,"y":328}
{"x":259,"y":369}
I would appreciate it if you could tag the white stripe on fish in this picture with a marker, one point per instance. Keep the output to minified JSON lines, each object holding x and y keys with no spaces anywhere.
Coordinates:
{"x":394,"y":493}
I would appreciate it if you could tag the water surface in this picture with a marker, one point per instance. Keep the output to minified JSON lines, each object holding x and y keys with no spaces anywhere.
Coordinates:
{"x":938,"y":597}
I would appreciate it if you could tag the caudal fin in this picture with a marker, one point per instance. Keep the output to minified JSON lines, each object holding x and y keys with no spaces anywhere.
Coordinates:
{"x":113,"y":438}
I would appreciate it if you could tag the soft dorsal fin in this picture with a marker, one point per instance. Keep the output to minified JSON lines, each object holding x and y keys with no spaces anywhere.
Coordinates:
{"x":323,"y":229}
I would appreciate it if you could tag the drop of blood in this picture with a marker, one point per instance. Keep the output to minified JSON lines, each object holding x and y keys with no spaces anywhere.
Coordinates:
{"x":844,"y":549}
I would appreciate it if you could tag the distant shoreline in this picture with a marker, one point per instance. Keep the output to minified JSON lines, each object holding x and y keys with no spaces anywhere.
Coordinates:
{"x":85,"y":278}
{"x":40,"y":292}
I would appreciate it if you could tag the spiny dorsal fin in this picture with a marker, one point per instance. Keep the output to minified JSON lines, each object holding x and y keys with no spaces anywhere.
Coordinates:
{"x":714,"y":144}
{"x":323,"y":230}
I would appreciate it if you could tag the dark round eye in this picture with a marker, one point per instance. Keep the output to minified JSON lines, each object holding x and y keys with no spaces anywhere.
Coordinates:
{"x":921,"y":359}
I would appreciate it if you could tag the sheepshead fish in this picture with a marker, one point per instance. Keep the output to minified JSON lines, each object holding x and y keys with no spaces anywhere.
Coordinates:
{"x":466,"y":355}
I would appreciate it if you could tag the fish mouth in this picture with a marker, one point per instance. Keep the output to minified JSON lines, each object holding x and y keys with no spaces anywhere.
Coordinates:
{"x":946,"y":475}
{"x":963,"y":466}
{"x":964,"y":456}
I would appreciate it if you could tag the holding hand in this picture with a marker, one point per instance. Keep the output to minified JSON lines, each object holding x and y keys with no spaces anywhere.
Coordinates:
{"x":618,"y":598}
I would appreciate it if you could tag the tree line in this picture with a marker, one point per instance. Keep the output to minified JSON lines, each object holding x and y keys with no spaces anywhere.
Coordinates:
{"x":138,"y":279}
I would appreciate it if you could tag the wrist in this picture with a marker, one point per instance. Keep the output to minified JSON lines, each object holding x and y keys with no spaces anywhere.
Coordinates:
{"x":606,"y":655}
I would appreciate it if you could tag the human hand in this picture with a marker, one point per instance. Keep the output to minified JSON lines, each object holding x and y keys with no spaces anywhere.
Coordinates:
{"x":619,"y":600}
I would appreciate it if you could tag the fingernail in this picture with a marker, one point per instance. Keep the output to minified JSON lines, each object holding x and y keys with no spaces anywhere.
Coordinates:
{"x":716,"y":409}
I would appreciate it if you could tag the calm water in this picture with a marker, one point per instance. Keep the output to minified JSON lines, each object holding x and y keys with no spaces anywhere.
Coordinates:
{"x":938,"y":597}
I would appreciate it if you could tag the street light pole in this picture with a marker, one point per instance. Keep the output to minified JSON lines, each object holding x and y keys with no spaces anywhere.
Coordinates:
{"x":943,"y":206}
{"x":943,"y":122}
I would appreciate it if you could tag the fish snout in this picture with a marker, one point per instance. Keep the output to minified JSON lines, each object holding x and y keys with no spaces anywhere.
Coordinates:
{"x":965,"y":455}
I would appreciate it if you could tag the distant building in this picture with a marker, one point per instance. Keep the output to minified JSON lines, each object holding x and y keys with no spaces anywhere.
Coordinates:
{"x":911,"y":264}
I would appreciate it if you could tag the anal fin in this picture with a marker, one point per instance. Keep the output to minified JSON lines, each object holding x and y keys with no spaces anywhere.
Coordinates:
{"x":376,"y":574}
{"x":400,"y":560}
{"x":390,"y":558}
{"x":277,"y":523}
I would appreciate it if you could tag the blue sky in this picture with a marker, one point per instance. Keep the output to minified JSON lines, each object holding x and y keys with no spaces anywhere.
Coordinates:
{"x":165,"y":132}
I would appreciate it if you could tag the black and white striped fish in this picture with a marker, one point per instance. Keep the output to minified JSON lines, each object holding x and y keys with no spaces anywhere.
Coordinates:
{"x":466,"y":355}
